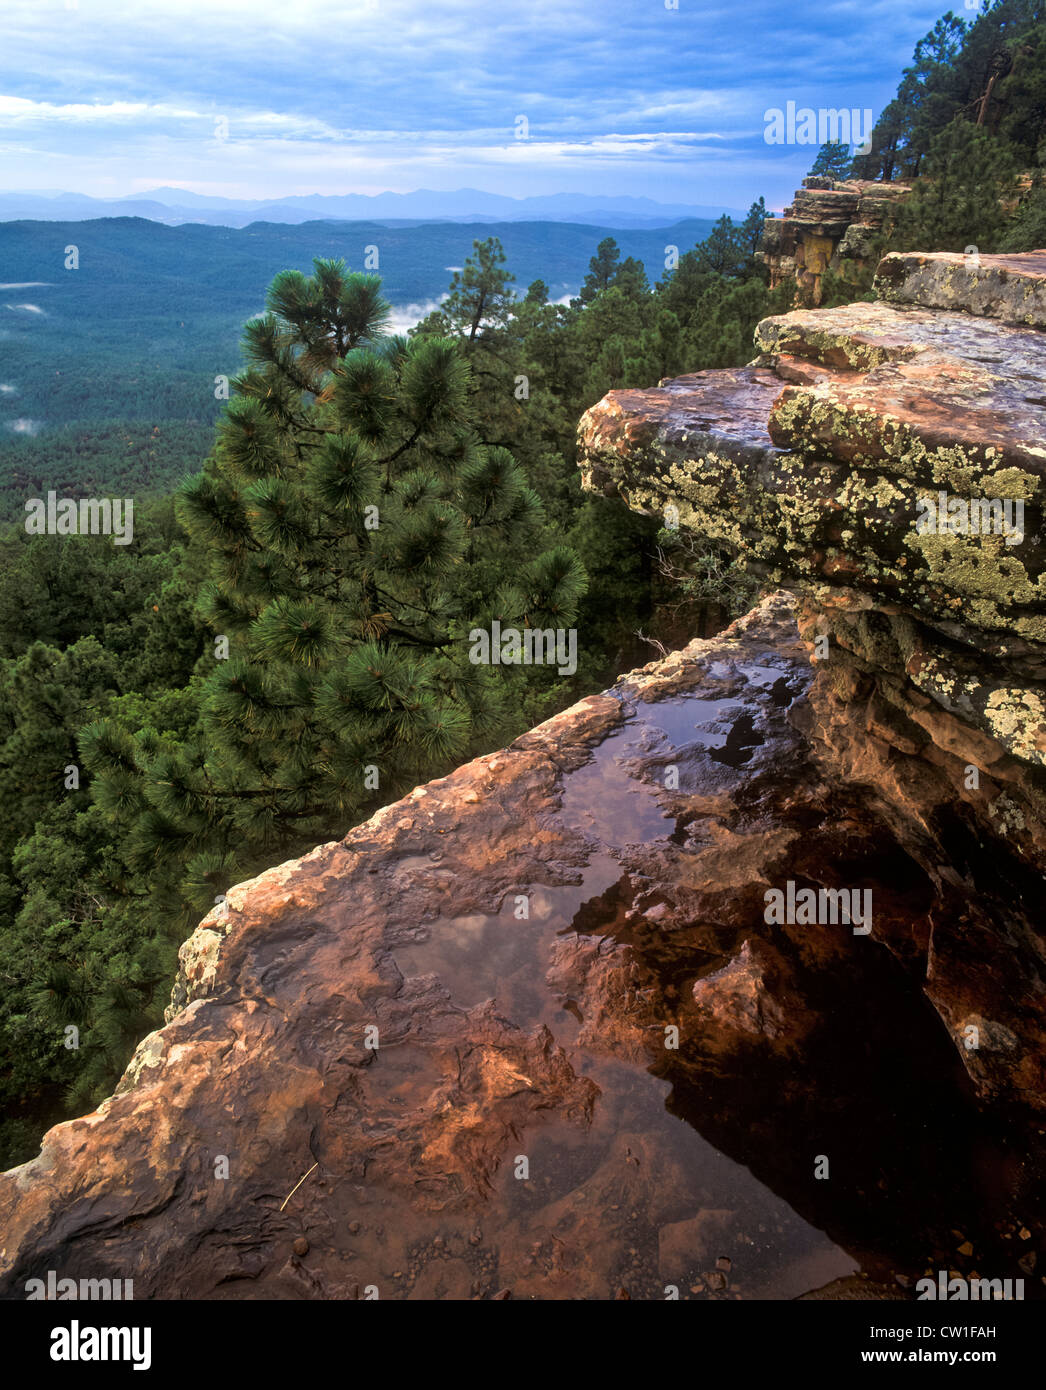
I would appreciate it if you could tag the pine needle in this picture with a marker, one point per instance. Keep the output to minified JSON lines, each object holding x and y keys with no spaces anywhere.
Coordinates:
{"x":298,"y":1184}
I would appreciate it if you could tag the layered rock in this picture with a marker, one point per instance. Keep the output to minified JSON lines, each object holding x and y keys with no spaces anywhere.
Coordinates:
{"x":1009,"y":288}
{"x":829,"y":223}
{"x":839,"y":463}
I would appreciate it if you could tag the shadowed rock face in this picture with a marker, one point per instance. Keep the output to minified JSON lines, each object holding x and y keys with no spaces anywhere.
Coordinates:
{"x":929,"y":641}
{"x":598,"y":1067}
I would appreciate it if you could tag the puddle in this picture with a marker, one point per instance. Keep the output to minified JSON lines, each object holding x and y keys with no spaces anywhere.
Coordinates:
{"x":682,"y":1170}
{"x":775,"y":1252}
{"x":501,"y":957}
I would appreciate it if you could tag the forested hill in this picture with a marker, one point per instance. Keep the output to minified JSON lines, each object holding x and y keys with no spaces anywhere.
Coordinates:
{"x":153,"y":312}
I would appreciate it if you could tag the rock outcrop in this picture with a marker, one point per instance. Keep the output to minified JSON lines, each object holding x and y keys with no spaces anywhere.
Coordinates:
{"x":529,"y":1029}
{"x":887,"y":460}
{"x":1009,"y":288}
{"x":829,"y":223}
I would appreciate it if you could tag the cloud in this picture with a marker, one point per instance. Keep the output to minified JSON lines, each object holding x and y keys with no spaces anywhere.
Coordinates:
{"x":258,"y":98}
{"x":22,"y":111}
{"x":404,"y":316}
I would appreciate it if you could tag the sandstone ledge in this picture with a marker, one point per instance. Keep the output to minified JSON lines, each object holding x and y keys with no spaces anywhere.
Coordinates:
{"x":873,"y":413}
{"x":543,"y":1037}
{"x":1009,"y":288}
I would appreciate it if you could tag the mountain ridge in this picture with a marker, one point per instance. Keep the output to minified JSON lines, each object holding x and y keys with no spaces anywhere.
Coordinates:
{"x":174,"y":206}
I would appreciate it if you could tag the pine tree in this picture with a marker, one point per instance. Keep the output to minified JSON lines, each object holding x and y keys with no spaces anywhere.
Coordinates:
{"x":357,"y":531}
{"x":987,"y":72}
{"x":752,"y":228}
{"x":602,"y":269}
{"x":479,"y":301}
{"x":959,"y":202}
{"x":725,"y":250}
{"x":476,"y":314}
{"x":833,"y":161}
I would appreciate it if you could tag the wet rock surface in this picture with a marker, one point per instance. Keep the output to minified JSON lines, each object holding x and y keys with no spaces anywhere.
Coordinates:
{"x":599,"y":1072}
{"x":928,"y":642}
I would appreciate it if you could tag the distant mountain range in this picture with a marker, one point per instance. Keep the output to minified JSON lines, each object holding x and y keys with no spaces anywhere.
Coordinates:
{"x":176,"y":206}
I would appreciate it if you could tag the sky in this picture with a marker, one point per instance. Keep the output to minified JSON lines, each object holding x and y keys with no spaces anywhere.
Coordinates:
{"x":664,"y":99}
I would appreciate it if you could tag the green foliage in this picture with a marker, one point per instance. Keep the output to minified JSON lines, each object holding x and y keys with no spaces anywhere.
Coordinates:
{"x":959,"y":201}
{"x":479,"y":298}
{"x":699,"y":570}
{"x":1027,"y":230}
{"x":605,"y":269}
{"x":106,"y":458}
{"x":833,"y":161}
{"x":356,"y":527}
{"x":988,"y":73}
{"x":87,"y":630}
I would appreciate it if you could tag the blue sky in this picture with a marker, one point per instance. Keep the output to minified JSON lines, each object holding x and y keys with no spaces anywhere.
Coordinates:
{"x":620,"y":96}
